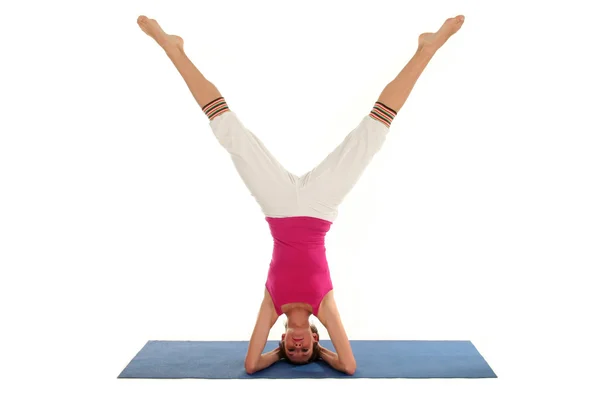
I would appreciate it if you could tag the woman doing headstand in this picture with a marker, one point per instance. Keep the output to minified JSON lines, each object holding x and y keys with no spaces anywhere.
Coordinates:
{"x":300,"y":209}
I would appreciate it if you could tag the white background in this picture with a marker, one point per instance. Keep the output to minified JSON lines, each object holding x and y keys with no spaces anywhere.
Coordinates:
{"x":123,"y":220}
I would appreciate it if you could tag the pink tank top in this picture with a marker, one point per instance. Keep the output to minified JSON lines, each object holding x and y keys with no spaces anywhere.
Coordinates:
{"x":299,"y":272}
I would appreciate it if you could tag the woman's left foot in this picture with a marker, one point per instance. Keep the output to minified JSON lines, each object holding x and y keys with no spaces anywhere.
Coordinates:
{"x":433,"y":41}
{"x":153,"y":29}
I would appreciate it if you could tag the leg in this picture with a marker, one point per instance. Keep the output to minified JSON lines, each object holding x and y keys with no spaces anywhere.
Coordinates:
{"x":268,"y":181}
{"x":327,"y":184}
{"x":396,"y":92}
{"x":202,"y":90}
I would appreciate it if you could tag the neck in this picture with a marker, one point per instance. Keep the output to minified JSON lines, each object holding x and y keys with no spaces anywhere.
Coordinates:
{"x":298,"y":318}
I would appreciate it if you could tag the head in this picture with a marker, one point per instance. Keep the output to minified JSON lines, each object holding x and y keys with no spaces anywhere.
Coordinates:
{"x":299,"y":345}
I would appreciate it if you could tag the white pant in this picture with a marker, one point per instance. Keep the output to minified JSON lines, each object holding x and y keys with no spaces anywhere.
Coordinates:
{"x":319,"y":192}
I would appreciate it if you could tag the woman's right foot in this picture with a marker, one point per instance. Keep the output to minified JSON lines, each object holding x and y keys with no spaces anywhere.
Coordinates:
{"x":153,"y":29}
{"x":433,"y":41}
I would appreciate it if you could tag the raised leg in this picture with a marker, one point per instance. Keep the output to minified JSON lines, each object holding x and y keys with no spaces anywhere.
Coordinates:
{"x":329,"y":182}
{"x":397,"y":91}
{"x":202,"y":89}
{"x":273,"y":187}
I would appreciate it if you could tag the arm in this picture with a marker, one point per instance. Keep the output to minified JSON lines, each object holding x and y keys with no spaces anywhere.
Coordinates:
{"x":343,"y":360}
{"x":255,"y":361}
{"x":331,"y":358}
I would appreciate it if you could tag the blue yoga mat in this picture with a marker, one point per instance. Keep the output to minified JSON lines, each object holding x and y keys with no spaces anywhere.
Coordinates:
{"x":374,"y":359}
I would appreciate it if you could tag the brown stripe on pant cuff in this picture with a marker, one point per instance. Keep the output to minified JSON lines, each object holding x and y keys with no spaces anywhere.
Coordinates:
{"x":215,"y":108}
{"x":383,"y":113}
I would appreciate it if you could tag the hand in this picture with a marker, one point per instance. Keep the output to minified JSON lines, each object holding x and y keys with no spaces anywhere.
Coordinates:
{"x":319,"y":350}
{"x":280,"y":351}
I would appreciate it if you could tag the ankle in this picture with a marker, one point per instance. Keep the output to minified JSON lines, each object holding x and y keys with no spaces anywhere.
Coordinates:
{"x":172,"y":49}
{"x":427,"y":49}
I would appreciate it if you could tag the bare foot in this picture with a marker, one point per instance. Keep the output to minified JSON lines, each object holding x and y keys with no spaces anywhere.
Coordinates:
{"x":153,"y":29}
{"x":433,"y":41}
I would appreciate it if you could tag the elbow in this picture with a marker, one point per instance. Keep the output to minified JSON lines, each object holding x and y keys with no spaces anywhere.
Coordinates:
{"x":250,"y":368}
{"x":350,"y":369}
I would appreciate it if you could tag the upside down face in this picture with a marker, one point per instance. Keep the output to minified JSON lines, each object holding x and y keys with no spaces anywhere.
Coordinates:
{"x":298,"y":344}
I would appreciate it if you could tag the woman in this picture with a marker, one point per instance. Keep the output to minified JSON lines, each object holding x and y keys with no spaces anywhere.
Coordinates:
{"x":300,"y":209}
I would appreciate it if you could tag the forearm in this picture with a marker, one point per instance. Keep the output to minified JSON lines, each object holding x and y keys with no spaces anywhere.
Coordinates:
{"x":266,"y":360}
{"x":331,"y":358}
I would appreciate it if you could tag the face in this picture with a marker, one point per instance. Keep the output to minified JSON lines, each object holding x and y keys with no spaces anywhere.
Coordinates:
{"x":298,"y":344}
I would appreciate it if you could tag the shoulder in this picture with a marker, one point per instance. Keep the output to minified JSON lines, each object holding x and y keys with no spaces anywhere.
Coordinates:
{"x":267,"y":297}
{"x":328,"y":309}
{"x":267,"y":307}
